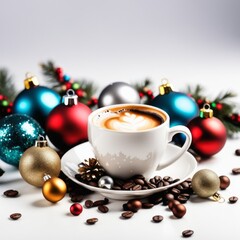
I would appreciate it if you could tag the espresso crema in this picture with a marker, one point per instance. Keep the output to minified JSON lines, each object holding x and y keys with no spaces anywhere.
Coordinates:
{"x":129,"y":119}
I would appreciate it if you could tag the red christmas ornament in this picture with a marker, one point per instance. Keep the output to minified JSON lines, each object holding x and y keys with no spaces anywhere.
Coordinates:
{"x":76,"y":209}
{"x":66,"y":124}
{"x":208,"y":133}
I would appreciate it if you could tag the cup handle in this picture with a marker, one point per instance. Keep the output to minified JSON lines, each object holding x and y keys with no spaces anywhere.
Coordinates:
{"x":172,"y":131}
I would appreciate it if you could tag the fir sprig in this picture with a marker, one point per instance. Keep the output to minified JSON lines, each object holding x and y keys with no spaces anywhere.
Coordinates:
{"x":222,"y":107}
{"x":61,"y":82}
{"x":7,"y":87}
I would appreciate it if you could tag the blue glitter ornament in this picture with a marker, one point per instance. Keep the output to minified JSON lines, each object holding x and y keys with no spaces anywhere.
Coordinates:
{"x":36,"y":101}
{"x":18,"y":132}
{"x":180,"y":107}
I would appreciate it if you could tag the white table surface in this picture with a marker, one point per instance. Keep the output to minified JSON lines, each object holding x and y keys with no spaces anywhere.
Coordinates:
{"x":43,"y":220}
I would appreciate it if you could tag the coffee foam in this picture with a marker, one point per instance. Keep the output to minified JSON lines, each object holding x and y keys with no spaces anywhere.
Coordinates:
{"x":128,"y":120}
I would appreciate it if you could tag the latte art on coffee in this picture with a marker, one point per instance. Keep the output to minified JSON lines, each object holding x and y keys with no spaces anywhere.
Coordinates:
{"x":130,"y":120}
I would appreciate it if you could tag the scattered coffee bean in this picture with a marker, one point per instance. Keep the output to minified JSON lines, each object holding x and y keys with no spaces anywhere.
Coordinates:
{"x":224,"y":182}
{"x":147,"y":205}
{"x":134,"y":205}
{"x":15,"y":216}
{"x":172,"y":203}
{"x":236,"y":170}
{"x":233,"y":199}
{"x":157,"y":218}
{"x":125,"y":207}
{"x":179,"y":210}
{"x":91,"y":221}
{"x":187,"y":233}
{"x":167,"y":197}
{"x":237,"y":152}
{"x":77,"y":198}
{"x":103,"y":208}
{"x":98,"y":203}
{"x":88,"y":203}
{"x":127,"y":214}
{"x":156,"y":198}
{"x":182,"y":198}
{"x":11,"y":193}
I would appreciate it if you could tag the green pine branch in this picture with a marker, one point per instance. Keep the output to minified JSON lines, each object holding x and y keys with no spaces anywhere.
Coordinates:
{"x":7,"y":87}
{"x":224,"y":113}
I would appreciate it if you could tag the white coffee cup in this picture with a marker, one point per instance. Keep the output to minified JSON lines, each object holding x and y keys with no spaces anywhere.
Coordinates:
{"x":124,"y":148}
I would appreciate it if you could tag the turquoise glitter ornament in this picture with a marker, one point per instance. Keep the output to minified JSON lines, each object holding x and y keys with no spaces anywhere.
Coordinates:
{"x":180,"y":107}
{"x":35,"y":101}
{"x":18,"y":132}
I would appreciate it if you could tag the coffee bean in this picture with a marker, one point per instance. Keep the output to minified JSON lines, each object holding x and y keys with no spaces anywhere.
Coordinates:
{"x":125,"y":207}
{"x":88,"y":203}
{"x":147,"y":205}
{"x":224,"y":182}
{"x":233,"y":199}
{"x":137,"y":187}
{"x":11,"y":193}
{"x":103,"y":208}
{"x":15,"y":216}
{"x":127,"y":214}
{"x":91,"y":221}
{"x":179,"y":210}
{"x":128,"y":185}
{"x":157,"y":218}
{"x":187,"y":233}
{"x":77,"y":198}
{"x":175,"y":191}
{"x":139,"y":181}
{"x":167,"y":179}
{"x":182,"y":199}
{"x":156,"y":198}
{"x":150,"y":185}
{"x":134,"y":205}
{"x":167,"y":197}
{"x":237,"y":152}
{"x":98,"y":203}
{"x":236,"y":170}
{"x":171,"y":203}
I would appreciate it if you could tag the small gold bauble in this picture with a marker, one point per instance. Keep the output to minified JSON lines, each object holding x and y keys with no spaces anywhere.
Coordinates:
{"x":37,"y":161}
{"x":54,"y":189}
{"x":205,"y":183}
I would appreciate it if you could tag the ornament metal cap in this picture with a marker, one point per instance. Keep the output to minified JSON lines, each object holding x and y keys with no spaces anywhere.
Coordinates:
{"x":206,"y":111}
{"x":165,"y":88}
{"x":41,"y":142}
{"x":30,"y":81}
{"x":70,"y":98}
{"x":46,"y":177}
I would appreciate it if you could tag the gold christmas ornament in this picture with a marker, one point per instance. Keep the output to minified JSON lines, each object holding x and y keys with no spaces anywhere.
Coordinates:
{"x":37,"y":161}
{"x":54,"y":188}
{"x":206,"y":183}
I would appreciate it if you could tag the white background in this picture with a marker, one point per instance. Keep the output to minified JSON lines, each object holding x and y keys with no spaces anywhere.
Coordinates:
{"x":186,"y":41}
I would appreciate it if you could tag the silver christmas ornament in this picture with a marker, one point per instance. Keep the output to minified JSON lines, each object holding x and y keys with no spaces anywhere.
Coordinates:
{"x":117,"y":93}
{"x":105,"y":182}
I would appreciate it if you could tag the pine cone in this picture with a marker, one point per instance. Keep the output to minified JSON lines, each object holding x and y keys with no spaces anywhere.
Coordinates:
{"x":90,"y":170}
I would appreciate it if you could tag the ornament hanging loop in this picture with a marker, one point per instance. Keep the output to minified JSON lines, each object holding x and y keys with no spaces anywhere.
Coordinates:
{"x":70,"y":98}
{"x":217,"y":198}
{"x":206,"y":111}
{"x":41,"y":142}
{"x":30,"y":81}
{"x":165,"y":88}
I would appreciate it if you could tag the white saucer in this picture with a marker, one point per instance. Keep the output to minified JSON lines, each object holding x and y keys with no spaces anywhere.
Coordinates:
{"x":182,"y":169}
